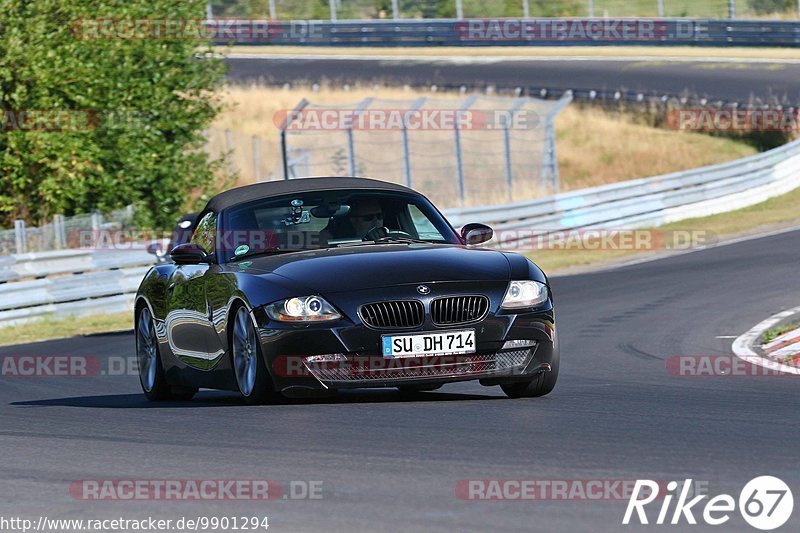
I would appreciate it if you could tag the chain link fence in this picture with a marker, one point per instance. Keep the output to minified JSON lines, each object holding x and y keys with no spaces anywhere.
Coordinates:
{"x":62,"y":233}
{"x":430,"y":9}
{"x":459,"y":151}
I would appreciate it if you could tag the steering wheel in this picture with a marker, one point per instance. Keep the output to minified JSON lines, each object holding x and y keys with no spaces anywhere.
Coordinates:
{"x":378,"y":232}
{"x":381,"y":232}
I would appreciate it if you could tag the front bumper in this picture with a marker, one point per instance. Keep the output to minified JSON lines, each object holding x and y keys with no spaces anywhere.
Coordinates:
{"x":352,"y":354}
{"x":365,"y":371}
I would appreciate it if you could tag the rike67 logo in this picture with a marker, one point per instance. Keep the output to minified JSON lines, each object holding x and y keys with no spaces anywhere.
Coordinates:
{"x":766,"y":503}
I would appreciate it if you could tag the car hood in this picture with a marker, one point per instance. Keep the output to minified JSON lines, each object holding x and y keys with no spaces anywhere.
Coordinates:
{"x":374,"y":266}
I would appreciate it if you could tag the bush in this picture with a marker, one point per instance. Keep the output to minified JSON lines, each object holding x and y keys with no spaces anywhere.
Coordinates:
{"x":145,"y":103}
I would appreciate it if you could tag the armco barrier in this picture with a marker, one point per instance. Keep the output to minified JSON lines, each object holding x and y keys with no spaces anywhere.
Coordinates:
{"x":86,"y":282}
{"x":650,"y":201}
{"x":41,"y":264}
{"x":504,"y":32}
{"x":69,"y":282}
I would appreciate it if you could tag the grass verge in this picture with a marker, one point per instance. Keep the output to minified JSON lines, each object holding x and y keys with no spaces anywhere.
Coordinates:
{"x":59,"y":328}
{"x":773,"y":333}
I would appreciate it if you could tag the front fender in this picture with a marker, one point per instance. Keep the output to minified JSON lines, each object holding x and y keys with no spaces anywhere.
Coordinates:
{"x":153,"y":288}
{"x":523,"y":268}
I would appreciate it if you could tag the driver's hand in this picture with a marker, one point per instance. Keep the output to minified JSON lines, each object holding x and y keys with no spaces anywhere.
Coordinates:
{"x":378,"y":232}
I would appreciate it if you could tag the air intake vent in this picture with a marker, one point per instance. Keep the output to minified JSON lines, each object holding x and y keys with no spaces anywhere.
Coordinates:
{"x":454,"y":310}
{"x":393,"y":315}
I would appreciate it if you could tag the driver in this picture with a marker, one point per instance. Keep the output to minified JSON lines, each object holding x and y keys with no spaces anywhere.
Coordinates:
{"x":365,"y":215}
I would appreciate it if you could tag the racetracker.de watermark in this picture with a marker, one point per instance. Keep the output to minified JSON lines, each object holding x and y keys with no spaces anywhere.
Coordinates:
{"x":734,"y":120}
{"x":67,"y":366}
{"x":559,"y":489}
{"x":520,"y":240}
{"x":69,"y":120}
{"x":379,"y":366}
{"x":439,"y":119}
{"x":579,"y":30}
{"x":602,"y":239}
{"x":722,"y":366}
{"x":47,"y":120}
{"x":195,"y":489}
{"x":185,"y":29}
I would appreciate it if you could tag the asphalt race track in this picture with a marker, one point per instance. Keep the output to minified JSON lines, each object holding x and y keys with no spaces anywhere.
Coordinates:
{"x":389,"y":463}
{"x":745,"y":82}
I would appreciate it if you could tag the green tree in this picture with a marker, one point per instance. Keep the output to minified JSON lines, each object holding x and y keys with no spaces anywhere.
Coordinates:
{"x":148,"y":100}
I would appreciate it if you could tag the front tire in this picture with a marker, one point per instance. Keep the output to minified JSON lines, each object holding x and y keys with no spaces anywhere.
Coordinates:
{"x":542,"y":385}
{"x":151,"y":371}
{"x":252,"y":377}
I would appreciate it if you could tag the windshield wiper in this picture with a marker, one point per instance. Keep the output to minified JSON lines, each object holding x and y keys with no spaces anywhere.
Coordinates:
{"x":391,"y":238}
{"x":266,"y":251}
{"x":385,"y":240}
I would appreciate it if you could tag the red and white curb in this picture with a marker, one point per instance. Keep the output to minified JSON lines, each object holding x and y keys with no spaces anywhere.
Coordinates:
{"x":784,"y":346}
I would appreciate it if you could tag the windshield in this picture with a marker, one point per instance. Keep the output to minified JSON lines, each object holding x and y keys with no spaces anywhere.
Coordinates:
{"x":325,"y":219}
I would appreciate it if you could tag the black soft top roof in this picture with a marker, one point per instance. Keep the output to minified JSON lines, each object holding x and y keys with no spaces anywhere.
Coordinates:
{"x":279,"y":188}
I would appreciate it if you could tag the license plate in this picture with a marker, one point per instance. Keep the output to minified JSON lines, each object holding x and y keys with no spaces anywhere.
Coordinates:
{"x":444,"y":343}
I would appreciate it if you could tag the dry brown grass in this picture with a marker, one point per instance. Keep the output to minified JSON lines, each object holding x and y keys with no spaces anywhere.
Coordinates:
{"x":594,"y":146}
{"x":597,"y":147}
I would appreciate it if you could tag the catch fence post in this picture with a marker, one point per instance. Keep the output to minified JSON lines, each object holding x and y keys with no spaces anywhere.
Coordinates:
{"x":507,"y":144}
{"x":20,"y":236}
{"x":256,"y":158}
{"x":406,"y":152}
{"x":59,"y":231}
{"x":550,"y":174}
{"x":351,"y":143}
{"x":462,"y":193}
{"x":229,"y":153}
{"x":287,"y":121}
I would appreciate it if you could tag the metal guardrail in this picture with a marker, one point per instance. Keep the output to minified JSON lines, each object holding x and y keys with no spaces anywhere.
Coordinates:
{"x":45,"y":264}
{"x":69,"y":282}
{"x":453,"y":32}
{"x":108,"y":280}
{"x":649,"y":201}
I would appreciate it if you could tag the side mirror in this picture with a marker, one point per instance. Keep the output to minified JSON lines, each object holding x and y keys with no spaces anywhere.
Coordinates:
{"x":157,"y":248}
{"x":476,"y":233}
{"x":189,"y":254}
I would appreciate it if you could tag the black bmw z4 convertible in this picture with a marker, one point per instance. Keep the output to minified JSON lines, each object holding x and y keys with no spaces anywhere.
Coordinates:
{"x":308,"y":286}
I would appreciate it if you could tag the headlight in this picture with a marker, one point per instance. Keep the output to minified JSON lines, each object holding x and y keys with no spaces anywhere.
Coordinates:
{"x":304,"y":309}
{"x":524,"y":294}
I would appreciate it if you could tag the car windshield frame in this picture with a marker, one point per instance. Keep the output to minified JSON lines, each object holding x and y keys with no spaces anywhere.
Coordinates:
{"x":224,"y":253}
